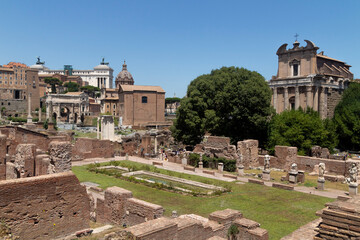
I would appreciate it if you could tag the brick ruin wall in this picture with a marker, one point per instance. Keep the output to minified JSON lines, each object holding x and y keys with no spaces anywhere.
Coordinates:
{"x":92,"y":148}
{"x":194,"y":227}
{"x":119,"y":207}
{"x":44,"y":207}
{"x":285,"y":156}
{"x":249,"y":149}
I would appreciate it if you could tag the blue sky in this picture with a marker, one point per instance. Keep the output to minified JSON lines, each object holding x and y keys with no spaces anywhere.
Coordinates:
{"x":169,"y":43}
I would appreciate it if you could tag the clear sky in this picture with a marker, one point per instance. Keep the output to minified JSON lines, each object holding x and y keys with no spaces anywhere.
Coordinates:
{"x":169,"y":43}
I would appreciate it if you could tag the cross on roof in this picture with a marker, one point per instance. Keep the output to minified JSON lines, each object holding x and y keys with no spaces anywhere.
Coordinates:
{"x":296,"y":36}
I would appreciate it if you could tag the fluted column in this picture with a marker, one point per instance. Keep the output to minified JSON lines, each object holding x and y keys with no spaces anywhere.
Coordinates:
{"x":275,"y":103}
{"x":309,"y":96}
{"x":297,"y":98}
{"x":286,"y":98}
{"x":316,"y":99}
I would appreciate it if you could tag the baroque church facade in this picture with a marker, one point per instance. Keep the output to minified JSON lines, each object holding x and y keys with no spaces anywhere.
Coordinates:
{"x":306,"y":78}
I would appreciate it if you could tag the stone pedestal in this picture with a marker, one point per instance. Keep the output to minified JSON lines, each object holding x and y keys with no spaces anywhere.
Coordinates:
{"x":240,"y":170}
{"x":353,"y":189}
{"x":266,"y":175}
{"x":126,"y":156}
{"x":293,"y":176}
{"x":184,"y":161}
{"x":201,"y":165}
{"x":220,"y":167}
{"x":321,"y":183}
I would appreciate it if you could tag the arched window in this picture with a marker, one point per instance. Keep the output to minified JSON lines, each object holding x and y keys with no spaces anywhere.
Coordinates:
{"x":144,"y":99}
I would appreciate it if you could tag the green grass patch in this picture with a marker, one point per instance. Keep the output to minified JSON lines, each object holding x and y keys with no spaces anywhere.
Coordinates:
{"x":278,"y":211}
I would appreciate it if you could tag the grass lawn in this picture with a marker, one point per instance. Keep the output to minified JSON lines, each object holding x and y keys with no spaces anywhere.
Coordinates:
{"x":278,"y":211}
{"x":79,"y":134}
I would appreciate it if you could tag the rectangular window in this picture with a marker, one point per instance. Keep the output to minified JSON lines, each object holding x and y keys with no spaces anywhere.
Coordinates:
{"x":144,"y":99}
{"x":296,"y":69}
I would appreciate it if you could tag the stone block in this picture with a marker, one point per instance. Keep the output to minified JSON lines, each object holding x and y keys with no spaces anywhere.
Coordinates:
{"x":25,"y":160}
{"x":246,"y":223}
{"x":321,"y":184}
{"x":257,"y":181}
{"x":11,"y":172}
{"x":60,"y":156}
{"x":285,"y":155}
{"x":225,"y":216}
{"x":249,"y":149}
{"x":266,"y":175}
{"x":283,"y":186}
{"x":220,"y":167}
{"x":189,"y":168}
{"x":353,"y":189}
{"x":209,"y":172}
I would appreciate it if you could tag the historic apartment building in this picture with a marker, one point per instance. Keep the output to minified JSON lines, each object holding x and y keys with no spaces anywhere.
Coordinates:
{"x":101,"y":76}
{"x":306,"y":78}
{"x":17,"y":83}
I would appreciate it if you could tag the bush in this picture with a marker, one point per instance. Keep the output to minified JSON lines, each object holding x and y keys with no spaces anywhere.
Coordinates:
{"x":229,"y":164}
{"x":46,"y":124}
{"x":194,"y":159}
{"x":17,"y":119}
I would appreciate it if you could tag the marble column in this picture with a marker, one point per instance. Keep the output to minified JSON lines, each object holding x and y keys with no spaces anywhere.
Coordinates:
{"x":316,"y":99}
{"x":29,"y":117}
{"x":286,"y":98}
{"x":309,"y":96}
{"x":275,"y":104}
{"x":297,"y":97}
{"x":324,"y":102}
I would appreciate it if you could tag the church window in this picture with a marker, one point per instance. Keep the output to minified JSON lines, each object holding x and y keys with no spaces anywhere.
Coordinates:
{"x":144,"y":99}
{"x":296,"y":69}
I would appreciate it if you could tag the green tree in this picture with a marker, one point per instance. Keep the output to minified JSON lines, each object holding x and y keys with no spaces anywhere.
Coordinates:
{"x":90,"y":90}
{"x":230,"y":101}
{"x":347,"y":118}
{"x":302,"y":130}
{"x":172,"y":100}
{"x":72,"y":86}
{"x":53,"y":82}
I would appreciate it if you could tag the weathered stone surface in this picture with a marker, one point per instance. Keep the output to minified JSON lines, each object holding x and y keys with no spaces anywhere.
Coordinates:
{"x":25,"y":160}
{"x":11,"y":172}
{"x":249,"y":149}
{"x":285,"y":156}
{"x":44,"y":207}
{"x":3,"y":152}
{"x":60,"y":156}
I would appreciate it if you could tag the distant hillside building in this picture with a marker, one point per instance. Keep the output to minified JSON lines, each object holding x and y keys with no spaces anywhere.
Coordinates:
{"x":101,"y":76}
{"x":306,"y":78}
{"x":17,"y":83}
{"x":141,"y":105}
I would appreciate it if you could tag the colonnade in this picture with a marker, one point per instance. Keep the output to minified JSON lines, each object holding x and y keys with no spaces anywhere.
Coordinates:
{"x":101,"y":82}
{"x":316,"y":98}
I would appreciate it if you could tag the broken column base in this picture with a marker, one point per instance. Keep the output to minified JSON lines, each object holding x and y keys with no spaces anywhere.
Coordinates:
{"x":201,"y":165}
{"x":266,"y":175}
{"x":321,"y":183}
{"x":240,"y":171}
{"x":353,"y":189}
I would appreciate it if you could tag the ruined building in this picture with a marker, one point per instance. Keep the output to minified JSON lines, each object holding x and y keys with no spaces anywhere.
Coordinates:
{"x":306,"y":78}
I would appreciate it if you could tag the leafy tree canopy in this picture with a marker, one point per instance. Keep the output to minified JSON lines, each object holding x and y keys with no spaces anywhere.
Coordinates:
{"x":347,"y":118}
{"x":301,"y":129}
{"x":230,"y":101}
{"x":72,"y":86}
{"x":53,"y":82}
{"x":172,"y":100}
{"x":90,"y":90}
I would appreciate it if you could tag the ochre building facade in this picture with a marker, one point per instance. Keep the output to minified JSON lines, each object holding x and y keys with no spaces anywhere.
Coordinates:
{"x":306,"y":78}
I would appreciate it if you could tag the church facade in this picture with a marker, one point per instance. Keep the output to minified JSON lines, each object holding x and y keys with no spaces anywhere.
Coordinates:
{"x":306,"y":78}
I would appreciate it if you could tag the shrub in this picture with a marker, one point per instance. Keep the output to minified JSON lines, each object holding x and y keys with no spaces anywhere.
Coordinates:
{"x":194,"y":159}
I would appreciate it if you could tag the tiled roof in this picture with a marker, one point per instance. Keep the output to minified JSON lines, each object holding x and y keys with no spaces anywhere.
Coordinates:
{"x":132,"y":88}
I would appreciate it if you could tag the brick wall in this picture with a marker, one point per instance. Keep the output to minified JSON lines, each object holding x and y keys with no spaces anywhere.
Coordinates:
{"x":92,"y":148}
{"x":217,"y":142}
{"x":249,"y":150}
{"x":194,"y":227}
{"x":44,"y":207}
{"x":119,"y":207}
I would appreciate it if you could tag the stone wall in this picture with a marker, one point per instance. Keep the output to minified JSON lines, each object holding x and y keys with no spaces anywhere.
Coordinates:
{"x":92,"y":148}
{"x":217,"y":142}
{"x":217,"y":147}
{"x":119,"y":207}
{"x":2,"y":157}
{"x":194,"y":227}
{"x":339,"y":220}
{"x":44,"y":207}
{"x":249,"y":149}
{"x":285,"y":157}
{"x":60,"y":156}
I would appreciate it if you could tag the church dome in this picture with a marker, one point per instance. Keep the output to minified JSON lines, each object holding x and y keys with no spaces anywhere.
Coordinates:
{"x":124,"y":77}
